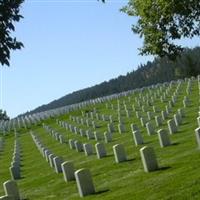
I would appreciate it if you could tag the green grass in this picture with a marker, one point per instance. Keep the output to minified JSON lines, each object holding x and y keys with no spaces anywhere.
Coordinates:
{"x":177,"y":178}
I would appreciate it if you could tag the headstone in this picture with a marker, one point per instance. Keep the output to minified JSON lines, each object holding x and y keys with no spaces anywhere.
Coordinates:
{"x":177,"y":119}
{"x":148,"y":159}
{"x":57,"y":135}
{"x":51,"y":157}
{"x":15,"y":172}
{"x":61,"y":139}
{"x":181,"y":112}
{"x":170,"y":104}
{"x":155,"y":109}
{"x":47,"y":153}
{"x":164,"y":115}
{"x":167,"y":109}
{"x":137,"y":137}
{"x":138,"y":115}
{"x":57,"y":164}
{"x":128,"y":114}
{"x":163,"y":138}
{"x":172,"y":126}
{"x":97,"y":136}
{"x":107,"y":137}
{"x":198,"y":121}
{"x":78,"y":146}
{"x":88,"y":149}
{"x":68,"y":171}
{"x":143,"y":109}
{"x":111,"y":128}
{"x":121,"y":128}
{"x":158,"y":120}
{"x":82,"y":132}
{"x":11,"y":189}
{"x":90,"y":135}
{"x":134,"y":127}
{"x":119,"y":153}
{"x":94,"y":124}
{"x":197,"y":133}
{"x":84,"y":182}
{"x":72,"y":144}
{"x":150,"y":128}
{"x":149,"y":115}
{"x":143,"y":121}
{"x":100,"y":150}
{"x":76,"y":130}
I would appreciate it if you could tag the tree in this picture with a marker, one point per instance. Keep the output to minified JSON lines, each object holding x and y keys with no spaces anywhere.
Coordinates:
{"x":9,"y":13}
{"x":160,"y":22}
{"x":3,"y":115}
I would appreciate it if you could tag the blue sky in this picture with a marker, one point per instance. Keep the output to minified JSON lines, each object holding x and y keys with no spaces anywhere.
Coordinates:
{"x":69,"y":45}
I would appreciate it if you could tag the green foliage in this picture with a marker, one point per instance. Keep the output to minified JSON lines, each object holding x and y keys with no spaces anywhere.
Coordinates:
{"x":3,"y":115}
{"x":160,"y":22}
{"x":9,"y":13}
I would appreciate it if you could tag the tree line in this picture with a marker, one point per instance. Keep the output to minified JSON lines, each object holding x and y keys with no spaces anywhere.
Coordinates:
{"x":158,"y":71}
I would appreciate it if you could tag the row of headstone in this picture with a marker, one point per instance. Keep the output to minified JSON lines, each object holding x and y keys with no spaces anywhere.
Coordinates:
{"x":57,"y":136}
{"x":174,"y":123}
{"x":8,"y":125}
{"x":89,"y":122}
{"x":53,"y":160}
{"x":96,"y":135}
{"x":101,"y":152}
{"x":163,"y":113}
{"x":16,"y":160}
{"x":83,"y":176}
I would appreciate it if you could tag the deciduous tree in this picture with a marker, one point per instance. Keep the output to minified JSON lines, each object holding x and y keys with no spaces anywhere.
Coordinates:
{"x":161,"y":22}
{"x":9,"y":13}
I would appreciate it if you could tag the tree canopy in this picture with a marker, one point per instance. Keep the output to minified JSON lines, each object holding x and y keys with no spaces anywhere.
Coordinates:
{"x":3,"y":115}
{"x":161,"y":22}
{"x":9,"y":13}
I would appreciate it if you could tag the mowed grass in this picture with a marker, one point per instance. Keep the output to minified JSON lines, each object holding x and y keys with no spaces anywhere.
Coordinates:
{"x":177,"y":178}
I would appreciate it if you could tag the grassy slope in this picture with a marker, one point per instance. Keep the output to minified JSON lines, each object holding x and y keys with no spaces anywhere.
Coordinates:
{"x":178,"y":178}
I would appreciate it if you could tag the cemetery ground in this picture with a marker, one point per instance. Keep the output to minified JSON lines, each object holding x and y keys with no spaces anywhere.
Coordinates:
{"x":178,"y":174}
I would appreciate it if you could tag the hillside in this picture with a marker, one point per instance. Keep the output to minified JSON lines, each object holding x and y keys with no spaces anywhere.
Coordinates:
{"x":175,"y":177}
{"x":158,"y":71}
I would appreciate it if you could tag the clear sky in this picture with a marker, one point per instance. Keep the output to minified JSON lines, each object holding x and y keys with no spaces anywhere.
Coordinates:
{"x":69,"y":45}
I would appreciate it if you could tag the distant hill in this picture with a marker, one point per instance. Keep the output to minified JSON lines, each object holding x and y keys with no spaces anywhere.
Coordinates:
{"x":157,"y":71}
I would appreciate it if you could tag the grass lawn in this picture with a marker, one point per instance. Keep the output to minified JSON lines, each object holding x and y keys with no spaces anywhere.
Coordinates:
{"x":178,"y":176}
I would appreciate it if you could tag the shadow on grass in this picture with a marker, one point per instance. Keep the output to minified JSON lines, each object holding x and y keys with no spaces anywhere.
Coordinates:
{"x":129,"y":160}
{"x":22,"y":177}
{"x":175,"y":143}
{"x":109,"y":155}
{"x":185,"y":123}
{"x":147,"y":142}
{"x":101,"y":191}
{"x":163,"y":168}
